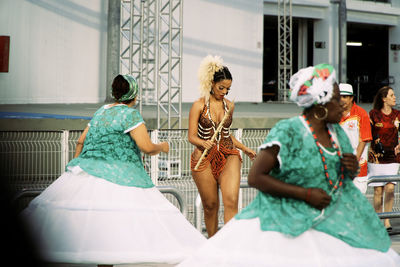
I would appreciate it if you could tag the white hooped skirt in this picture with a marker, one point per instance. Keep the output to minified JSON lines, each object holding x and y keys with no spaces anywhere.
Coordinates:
{"x":361,"y":183}
{"x":382,"y":169}
{"x":242,"y":243}
{"x":84,"y":219}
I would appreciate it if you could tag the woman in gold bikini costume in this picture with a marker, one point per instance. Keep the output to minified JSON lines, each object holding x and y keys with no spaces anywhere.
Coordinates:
{"x":220,"y":168}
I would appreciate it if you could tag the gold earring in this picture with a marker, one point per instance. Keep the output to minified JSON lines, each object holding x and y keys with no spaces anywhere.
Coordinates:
{"x":324,"y":116}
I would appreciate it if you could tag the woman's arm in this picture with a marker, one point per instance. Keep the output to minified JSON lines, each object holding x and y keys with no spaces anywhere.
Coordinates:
{"x":81,"y":141}
{"x":249,"y":152}
{"x":142,"y":139}
{"x":194,"y":116}
{"x":260,"y":178}
{"x":360,"y":149}
{"x":350,"y":163}
{"x":397,"y":148}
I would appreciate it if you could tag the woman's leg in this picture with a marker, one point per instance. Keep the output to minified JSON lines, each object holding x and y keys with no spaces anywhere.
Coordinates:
{"x":378,"y":191}
{"x":389,"y":199}
{"x":229,"y":181}
{"x":208,"y":190}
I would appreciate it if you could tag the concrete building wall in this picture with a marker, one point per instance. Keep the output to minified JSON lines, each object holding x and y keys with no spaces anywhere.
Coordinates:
{"x":57,"y":51}
{"x":232,"y":29}
{"x":58,"y":48}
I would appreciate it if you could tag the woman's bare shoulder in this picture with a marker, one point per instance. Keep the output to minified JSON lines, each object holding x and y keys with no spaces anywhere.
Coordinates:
{"x":199,"y":103}
{"x":229,"y":103}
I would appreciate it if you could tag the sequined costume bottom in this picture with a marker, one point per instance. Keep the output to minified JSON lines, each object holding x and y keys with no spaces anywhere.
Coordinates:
{"x":216,"y":157}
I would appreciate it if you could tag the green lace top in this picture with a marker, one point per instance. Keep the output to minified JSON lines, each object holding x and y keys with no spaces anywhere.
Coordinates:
{"x":349,"y":216}
{"x":109,"y":152}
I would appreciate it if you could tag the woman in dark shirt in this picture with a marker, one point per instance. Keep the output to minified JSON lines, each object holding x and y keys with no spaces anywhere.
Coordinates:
{"x":384,"y":154}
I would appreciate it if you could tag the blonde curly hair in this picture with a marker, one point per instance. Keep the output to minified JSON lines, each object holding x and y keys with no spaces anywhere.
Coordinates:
{"x":208,"y":67}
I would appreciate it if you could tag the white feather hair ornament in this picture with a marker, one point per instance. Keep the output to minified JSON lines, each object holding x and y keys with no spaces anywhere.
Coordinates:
{"x":208,"y":67}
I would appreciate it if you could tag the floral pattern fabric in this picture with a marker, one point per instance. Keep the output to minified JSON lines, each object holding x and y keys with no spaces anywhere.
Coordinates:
{"x":109,"y":152}
{"x":349,"y":217}
{"x":312,"y":85}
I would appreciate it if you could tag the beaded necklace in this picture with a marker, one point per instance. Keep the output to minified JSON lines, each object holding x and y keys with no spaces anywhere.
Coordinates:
{"x":321,"y":152}
{"x":225,"y":131}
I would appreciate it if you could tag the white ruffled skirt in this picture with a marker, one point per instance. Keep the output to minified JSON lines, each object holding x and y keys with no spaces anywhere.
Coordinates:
{"x":382,"y":169}
{"x":242,"y":243}
{"x":84,"y":219}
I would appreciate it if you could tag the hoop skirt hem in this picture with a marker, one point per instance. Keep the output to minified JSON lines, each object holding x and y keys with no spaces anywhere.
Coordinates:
{"x":84,"y":219}
{"x":243,"y":243}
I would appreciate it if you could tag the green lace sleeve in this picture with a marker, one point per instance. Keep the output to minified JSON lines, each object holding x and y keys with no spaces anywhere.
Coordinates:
{"x":281,"y":135}
{"x":132,"y":120}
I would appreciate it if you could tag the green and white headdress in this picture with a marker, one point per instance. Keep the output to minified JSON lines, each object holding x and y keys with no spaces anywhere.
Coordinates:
{"x":312,"y":85}
{"x":133,"y":89}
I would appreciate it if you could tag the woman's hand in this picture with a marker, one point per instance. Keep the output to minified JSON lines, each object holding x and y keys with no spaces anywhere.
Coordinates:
{"x":250,"y":153}
{"x":164,"y":147}
{"x":397,"y":149}
{"x":207,"y":144}
{"x":350,"y":163}
{"x":143,"y":141}
{"x":317,"y":198}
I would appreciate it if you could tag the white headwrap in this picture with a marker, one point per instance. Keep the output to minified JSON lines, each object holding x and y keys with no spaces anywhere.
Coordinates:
{"x":312,"y":85}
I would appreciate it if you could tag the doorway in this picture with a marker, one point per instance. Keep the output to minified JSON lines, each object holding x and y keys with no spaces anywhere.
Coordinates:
{"x":270,"y":57}
{"x":367,"y":59}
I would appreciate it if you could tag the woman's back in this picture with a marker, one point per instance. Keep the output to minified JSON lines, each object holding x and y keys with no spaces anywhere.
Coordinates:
{"x":108,"y":136}
{"x":109,"y":151}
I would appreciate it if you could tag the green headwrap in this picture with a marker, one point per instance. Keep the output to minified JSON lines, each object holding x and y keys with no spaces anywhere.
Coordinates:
{"x":133,"y":89}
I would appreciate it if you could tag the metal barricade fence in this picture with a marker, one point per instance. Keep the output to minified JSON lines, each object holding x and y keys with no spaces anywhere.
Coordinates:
{"x":246,"y":194}
{"x":32,"y":160}
{"x":396,"y":204}
{"x":31,"y":193}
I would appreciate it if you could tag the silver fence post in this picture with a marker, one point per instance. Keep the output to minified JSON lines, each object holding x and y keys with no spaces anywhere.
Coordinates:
{"x":238,"y":136}
{"x":163,"y":189}
{"x":197,"y":213}
{"x":154,"y":159}
{"x":386,"y":178}
{"x":64,"y":149}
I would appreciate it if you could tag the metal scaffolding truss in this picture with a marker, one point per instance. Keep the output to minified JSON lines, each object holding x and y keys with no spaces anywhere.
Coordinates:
{"x":151,"y":50}
{"x":170,"y":62}
{"x":284,"y":48}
